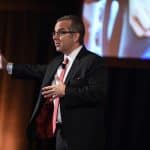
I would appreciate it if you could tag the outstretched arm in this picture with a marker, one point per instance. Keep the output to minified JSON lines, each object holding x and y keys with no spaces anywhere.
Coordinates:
{"x":22,"y":71}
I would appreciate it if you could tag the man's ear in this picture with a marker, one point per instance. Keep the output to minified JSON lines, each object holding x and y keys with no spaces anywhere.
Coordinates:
{"x":76,"y":37}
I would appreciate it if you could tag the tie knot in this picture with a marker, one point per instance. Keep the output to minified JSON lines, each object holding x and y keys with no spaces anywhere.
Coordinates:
{"x":65,"y":62}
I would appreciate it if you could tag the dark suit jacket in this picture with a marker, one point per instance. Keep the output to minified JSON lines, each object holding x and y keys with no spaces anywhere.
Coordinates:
{"x":82,"y":107}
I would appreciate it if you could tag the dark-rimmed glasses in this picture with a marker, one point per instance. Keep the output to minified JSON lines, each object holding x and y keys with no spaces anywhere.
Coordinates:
{"x":61,"y":33}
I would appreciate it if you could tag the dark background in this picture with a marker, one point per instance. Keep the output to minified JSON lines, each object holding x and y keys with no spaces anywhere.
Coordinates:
{"x":25,"y":37}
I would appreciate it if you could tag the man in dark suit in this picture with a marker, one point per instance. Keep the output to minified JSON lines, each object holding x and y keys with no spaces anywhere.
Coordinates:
{"x":80,"y":118}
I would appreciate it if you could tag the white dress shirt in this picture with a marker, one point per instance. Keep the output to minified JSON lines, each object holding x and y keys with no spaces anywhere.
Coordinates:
{"x":71,"y":57}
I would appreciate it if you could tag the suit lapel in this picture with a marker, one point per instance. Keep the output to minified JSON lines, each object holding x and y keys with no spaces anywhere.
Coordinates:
{"x":54,"y":66}
{"x":72,"y":70}
{"x":51,"y":70}
{"x":75,"y":65}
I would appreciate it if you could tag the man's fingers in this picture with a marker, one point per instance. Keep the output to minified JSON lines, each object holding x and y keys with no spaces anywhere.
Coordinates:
{"x":1,"y":62}
{"x":47,"y":88}
{"x":48,"y":91}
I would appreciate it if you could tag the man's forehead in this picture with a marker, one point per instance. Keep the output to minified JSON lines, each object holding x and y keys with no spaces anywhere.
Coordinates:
{"x":63,"y":24}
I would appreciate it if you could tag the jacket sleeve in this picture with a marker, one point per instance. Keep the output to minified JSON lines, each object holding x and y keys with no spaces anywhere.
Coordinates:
{"x":26,"y":71}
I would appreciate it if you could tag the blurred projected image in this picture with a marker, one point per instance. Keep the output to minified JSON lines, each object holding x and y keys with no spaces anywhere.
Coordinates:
{"x":118,"y":28}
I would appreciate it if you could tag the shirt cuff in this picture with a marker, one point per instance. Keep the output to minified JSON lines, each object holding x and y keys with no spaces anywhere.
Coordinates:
{"x":9,"y":68}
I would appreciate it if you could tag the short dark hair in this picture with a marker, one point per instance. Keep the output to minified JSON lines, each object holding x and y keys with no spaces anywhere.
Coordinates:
{"x":77,"y":25}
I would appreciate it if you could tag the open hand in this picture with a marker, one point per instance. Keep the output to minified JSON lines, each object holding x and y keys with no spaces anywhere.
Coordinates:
{"x":54,"y":90}
{"x":3,"y":62}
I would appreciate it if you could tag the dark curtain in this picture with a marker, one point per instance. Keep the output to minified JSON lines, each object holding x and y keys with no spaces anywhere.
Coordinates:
{"x":22,"y":40}
{"x":127,"y":115}
{"x":19,"y":37}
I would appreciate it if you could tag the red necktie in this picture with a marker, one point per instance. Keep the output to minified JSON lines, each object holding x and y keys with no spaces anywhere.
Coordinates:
{"x":46,"y":120}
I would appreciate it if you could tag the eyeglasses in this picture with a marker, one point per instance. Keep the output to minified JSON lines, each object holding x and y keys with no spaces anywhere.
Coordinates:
{"x":61,"y":33}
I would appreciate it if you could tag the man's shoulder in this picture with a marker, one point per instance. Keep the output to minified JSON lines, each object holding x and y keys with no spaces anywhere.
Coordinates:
{"x":92,"y":55}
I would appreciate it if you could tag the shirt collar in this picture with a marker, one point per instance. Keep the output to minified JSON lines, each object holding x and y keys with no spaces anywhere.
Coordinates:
{"x":73,"y":54}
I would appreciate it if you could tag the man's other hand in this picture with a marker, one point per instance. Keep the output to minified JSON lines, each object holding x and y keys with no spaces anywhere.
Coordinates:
{"x":3,"y":62}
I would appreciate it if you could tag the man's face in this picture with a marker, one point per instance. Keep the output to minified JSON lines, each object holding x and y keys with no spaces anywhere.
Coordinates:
{"x":64,"y":39}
